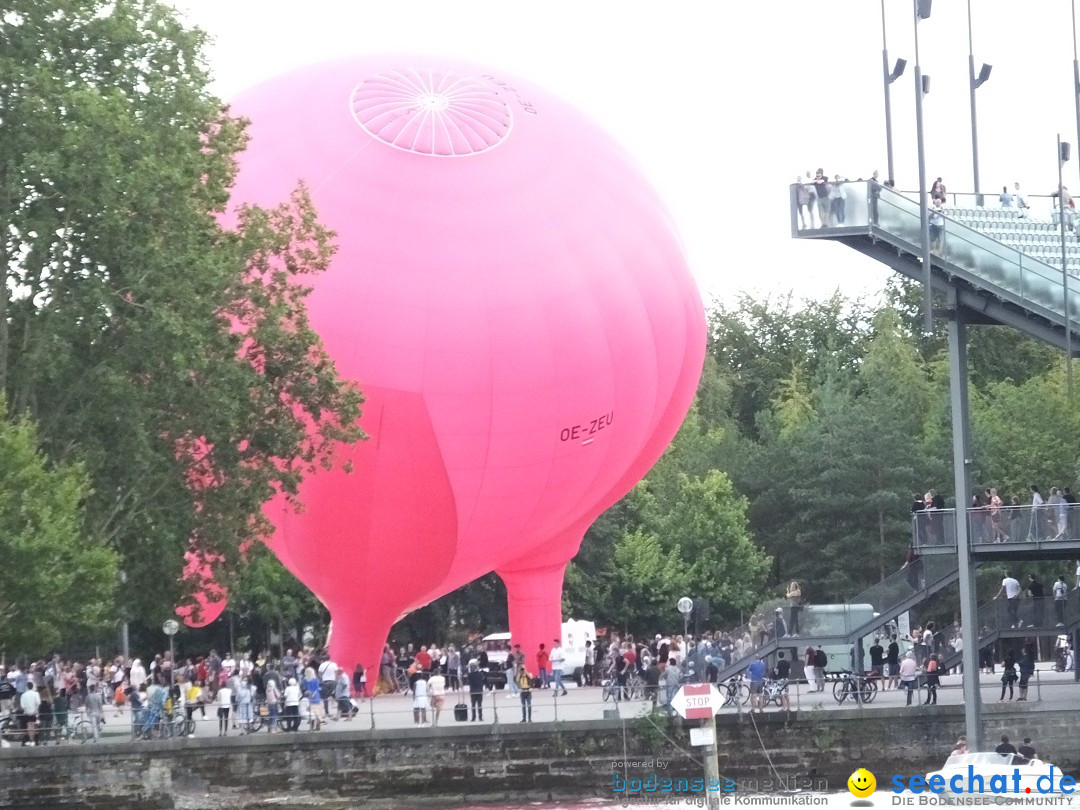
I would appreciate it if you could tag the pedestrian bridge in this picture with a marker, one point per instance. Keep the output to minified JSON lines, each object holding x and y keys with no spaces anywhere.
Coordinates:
{"x":1020,"y":533}
{"x":1002,"y":271}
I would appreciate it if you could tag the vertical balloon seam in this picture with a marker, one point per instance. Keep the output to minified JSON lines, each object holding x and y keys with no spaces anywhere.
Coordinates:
{"x":553,"y":455}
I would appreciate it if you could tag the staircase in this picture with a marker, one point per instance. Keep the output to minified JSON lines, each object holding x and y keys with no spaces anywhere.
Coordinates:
{"x":889,"y":598}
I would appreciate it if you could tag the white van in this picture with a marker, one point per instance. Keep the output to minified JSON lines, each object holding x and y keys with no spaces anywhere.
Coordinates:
{"x":574,"y":635}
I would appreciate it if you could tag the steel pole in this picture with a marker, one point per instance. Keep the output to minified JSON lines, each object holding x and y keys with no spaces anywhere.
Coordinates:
{"x":1064,"y":269}
{"x":958,"y":394}
{"x":974,"y":117}
{"x":924,"y":215}
{"x":974,"y":128}
{"x":886,"y":75}
{"x":888,"y":117}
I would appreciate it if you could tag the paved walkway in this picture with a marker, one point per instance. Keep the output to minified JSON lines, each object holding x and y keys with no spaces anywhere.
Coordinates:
{"x":395,"y":711}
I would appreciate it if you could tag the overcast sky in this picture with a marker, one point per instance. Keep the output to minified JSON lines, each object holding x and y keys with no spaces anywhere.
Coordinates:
{"x":723,"y":102}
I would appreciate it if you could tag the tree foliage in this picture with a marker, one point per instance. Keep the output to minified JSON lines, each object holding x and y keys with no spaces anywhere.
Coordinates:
{"x":58,"y":581}
{"x":167,"y":355}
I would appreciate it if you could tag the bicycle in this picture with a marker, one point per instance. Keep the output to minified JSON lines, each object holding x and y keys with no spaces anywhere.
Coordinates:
{"x":735,"y":691}
{"x":773,"y":692}
{"x":858,"y":687}
{"x":11,"y":730}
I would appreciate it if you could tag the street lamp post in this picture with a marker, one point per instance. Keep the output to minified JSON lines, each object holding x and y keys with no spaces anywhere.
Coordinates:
{"x":685,"y":605}
{"x":888,"y":77}
{"x":170,"y":628}
{"x":922,"y":86}
{"x":1063,"y":155}
{"x":974,"y":83}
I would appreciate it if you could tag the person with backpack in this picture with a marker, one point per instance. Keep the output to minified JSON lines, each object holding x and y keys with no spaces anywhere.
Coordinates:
{"x":821,"y":660}
{"x":933,"y":678}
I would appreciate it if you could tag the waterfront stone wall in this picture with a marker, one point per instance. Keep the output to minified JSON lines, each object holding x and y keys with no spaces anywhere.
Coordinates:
{"x":406,"y":767}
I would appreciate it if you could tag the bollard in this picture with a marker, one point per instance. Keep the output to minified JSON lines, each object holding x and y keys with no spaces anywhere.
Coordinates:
{"x":556,"y":696}
{"x":1038,"y":686}
{"x":371,"y":707}
{"x":495,"y":705}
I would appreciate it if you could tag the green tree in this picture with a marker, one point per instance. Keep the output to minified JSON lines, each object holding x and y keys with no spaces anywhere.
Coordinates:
{"x":57,"y":582}
{"x":830,"y":499}
{"x":1026,"y":434}
{"x":761,"y":343}
{"x":707,"y":525}
{"x":170,"y":356}
{"x":267,"y":597}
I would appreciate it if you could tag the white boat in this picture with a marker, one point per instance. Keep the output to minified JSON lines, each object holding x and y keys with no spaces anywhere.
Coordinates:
{"x":1001,"y":775}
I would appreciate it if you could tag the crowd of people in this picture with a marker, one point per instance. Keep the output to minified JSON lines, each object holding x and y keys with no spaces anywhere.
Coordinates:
{"x":44,"y":694}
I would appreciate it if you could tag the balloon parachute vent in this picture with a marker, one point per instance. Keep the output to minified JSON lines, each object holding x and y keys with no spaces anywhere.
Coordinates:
{"x":434,"y":111}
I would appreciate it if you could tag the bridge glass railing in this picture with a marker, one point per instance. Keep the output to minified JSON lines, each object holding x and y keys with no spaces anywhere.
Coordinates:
{"x":986,"y":525}
{"x":1039,"y":616}
{"x":1002,"y":269}
{"x":896,"y":590}
{"x":808,"y":213}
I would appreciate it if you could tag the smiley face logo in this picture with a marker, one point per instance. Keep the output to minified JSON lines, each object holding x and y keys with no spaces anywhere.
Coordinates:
{"x":861,"y":783}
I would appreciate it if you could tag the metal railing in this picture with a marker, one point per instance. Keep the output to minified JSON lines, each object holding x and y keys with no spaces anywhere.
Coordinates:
{"x":1043,"y":616}
{"x":988,"y":525}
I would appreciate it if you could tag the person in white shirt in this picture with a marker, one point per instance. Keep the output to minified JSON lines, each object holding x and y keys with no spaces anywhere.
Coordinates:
{"x":30,"y":702}
{"x":1010,"y":586}
{"x":137,"y":677}
{"x":1061,"y":596}
{"x":292,"y":706}
{"x":909,"y":675}
{"x":558,"y":660}
{"x":228,"y":666}
{"x":437,"y":689}
{"x":224,"y":704}
{"x":420,"y":701}
{"x":1035,"y":524}
{"x":327,"y":679}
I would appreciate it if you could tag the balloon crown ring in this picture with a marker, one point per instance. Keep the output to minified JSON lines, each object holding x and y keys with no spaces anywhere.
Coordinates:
{"x":432,"y":111}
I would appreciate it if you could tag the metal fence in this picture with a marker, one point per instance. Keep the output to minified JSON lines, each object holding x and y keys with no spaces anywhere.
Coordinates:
{"x":986,"y":525}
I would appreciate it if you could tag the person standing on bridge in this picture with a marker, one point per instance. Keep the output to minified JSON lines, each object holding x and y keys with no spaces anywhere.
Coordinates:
{"x":780,"y":629}
{"x":794,"y":596}
{"x":1061,"y":596}
{"x":1035,"y":528}
{"x":1011,"y":588}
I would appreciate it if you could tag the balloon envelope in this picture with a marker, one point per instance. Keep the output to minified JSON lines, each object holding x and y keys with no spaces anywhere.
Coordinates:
{"x":511,"y":297}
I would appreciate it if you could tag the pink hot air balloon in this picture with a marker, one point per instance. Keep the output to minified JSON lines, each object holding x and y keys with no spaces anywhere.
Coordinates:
{"x":513,"y":300}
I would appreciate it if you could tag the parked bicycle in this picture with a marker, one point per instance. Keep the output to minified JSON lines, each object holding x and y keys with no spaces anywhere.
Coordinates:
{"x":859,"y":688}
{"x":735,"y":690}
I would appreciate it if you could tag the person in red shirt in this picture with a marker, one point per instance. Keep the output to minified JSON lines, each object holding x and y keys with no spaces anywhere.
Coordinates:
{"x":631,"y":657}
{"x":423,"y":659}
{"x":543,"y":666}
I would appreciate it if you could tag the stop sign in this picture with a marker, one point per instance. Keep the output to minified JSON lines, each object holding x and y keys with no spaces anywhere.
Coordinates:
{"x":697,"y":701}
